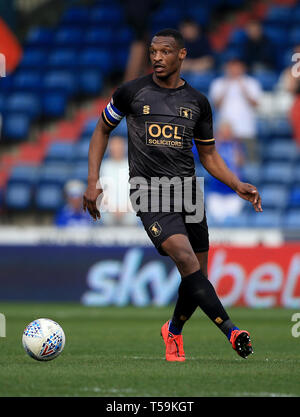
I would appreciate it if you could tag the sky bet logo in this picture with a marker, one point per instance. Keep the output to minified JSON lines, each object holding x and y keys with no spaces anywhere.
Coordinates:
{"x":164,"y":134}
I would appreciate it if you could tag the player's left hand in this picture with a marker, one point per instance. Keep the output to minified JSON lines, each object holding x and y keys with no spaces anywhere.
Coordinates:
{"x":250,"y":193}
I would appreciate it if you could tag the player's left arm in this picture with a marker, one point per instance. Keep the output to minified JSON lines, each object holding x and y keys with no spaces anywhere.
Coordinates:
{"x":216,"y":166}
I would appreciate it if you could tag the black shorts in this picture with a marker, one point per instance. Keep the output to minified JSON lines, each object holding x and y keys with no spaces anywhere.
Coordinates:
{"x":160,"y":225}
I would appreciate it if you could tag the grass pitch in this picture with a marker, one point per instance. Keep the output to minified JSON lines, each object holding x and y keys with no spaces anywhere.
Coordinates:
{"x":118,"y":352}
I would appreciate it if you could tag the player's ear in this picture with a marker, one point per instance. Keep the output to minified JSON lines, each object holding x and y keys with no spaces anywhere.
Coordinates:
{"x":182,"y":53}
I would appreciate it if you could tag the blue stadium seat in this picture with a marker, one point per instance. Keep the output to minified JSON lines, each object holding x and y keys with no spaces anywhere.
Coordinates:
{"x":60,"y":81}
{"x":24,"y":174}
{"x":59,"y":152}
{"x":278,"y":173}
{"x":280,"y":151}
{"x":56,"y":173}
{"x":18,"y":196}
{"x":80,"y":171}
{"x":297,"y":174}
{"x":251,"y":172}
{"x":89,"y":127}
{"x":90,"y":82}
{"x":267,"y":79}
{"x":106,"y":15}
{"x":99,"y":36}
{"x":263,"y":129}
{"x":267,"y":218}
{"x":66,"y":58}
{"x":123,"y":36}
{"x":39,"y":36}
{"x":27,"y":80}
{"x":294,"y":36}
{"x":199,"y":13}
{"x":96,"y":58}
{"x":16,"y":126}
{"x":81,"y":150}
{"x":75,"y":16}
{"x":241,"y":220}
{"x":294,"y":199}
{"x":200,"y":81}
{"x":296,"y":15}
{"x":167,"y":16}
{"x":281,"y":128}
{"x":120,"y":58}
{"x":33,"y":58}
{"x":24,"y":103}
{"x":274,"y":196}
{"x":49,"y":197}
{"x":121,"y":129}
{"x":292,"y":219}
{"x":278,"y":15}
{"x":54,"y":104}
{"x":277,"y":34}
{"x":68,"y":37}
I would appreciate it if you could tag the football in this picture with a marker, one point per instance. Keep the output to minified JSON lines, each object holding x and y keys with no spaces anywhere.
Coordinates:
{"x":43,"y":339}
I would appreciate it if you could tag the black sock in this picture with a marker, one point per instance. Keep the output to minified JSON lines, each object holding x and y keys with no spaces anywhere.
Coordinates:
{"x":184,"y":309}
{"x":197,"y":289}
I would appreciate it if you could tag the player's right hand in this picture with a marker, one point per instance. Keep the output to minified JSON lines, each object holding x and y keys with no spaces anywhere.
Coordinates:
{"x":90,"y":200}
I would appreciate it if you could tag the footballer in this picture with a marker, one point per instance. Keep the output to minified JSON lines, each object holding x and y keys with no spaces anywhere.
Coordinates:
{"x":165,"y":116}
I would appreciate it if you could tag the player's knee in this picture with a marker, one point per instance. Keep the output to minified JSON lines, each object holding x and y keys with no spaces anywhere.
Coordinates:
{"x":186,"y":261}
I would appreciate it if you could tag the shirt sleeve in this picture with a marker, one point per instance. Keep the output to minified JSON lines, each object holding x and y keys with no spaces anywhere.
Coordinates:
{"x":203,"y":131}
{"x":117,"y":108}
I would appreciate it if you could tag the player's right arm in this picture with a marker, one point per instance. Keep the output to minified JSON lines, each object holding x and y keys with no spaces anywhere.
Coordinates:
{"x":98,"y":145}
{"x":111,"y":116}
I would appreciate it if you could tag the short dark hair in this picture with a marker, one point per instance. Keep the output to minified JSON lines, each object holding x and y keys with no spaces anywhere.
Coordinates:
{"x":173,"y":33}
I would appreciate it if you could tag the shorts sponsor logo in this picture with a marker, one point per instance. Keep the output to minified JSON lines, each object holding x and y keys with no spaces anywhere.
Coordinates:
{"x":164,"y":134}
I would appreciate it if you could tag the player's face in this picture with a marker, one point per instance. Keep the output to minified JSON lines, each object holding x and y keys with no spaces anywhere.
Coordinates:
{"x":165,"y":55}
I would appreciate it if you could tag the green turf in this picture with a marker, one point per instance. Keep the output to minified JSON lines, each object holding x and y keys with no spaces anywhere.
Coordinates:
{"x":117,"y":352}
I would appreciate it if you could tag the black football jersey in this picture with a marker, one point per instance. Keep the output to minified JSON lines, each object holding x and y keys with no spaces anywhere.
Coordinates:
{"x":162,"y":124}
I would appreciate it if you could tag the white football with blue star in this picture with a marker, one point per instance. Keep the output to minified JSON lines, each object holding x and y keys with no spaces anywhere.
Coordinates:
{"x":43,"y":339}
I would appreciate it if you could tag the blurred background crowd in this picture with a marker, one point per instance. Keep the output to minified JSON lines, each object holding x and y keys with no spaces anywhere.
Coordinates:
{"x":61,"y":60}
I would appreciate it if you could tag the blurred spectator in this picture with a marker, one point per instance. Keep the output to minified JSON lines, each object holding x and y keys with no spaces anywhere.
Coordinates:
{"x":221,"y":200}
{"x":115,"y":207}
{"x":72,"y":213}
{"x":258,"y":49}
{"x":295,"y":113}
{"x":199,"y":52}
{"x":287,"y":81}
{"x":235,"y":96}
{"x":138,"y":14}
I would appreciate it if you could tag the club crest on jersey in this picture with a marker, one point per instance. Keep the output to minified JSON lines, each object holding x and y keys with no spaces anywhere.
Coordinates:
{"x":185,"y":112}
{"x":155,"y":229}
{"x":146,"y":109}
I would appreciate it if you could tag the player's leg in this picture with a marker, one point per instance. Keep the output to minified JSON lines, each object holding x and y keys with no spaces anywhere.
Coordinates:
{"x":239,"y":339}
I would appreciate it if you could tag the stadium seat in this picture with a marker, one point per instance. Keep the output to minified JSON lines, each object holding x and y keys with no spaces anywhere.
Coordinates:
{"x":89,"y":127}
{"x":24,"y":103}
{"x":166,"y":16}
{"x":75,"y":16}
{"x":80,"y":153}
{"x":106,"y":15}
{"x":99,"y":37}
{"x":27,"y":80}
{"x":267,"y":79}
{"x":18,"y":196}
{"x":274,"y":196}
{"x":294,"y":199}
{"x":16,"y":126}
{"x":277,"y":34}
{"x":292,"y":219}
{"x":294,"y":36}
{"x":68,"y":37}
{"x":34,"y":58}
{"x":200,"y":81}
{"x":60,"y":152}
{"x":54,"y":104}
{"x":54,"y":173}
{"x":280,"y":151}
{"x":90,"y":82}
{"x":251,"y":172}
{"x":281,"y":128}
{"x":39,"y":37}
{"x":24,"y":174}
{"x":278,"y":15}
{"x":60,"y":59}
{"x":60,"y":81}
{"x":80,"y":171}
{"x":267,"y":218}
{"x":49,"y":197}
{"x":97,"y":59}
{"x":278,"y":173}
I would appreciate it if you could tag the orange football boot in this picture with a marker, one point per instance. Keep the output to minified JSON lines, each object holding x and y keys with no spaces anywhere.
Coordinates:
{"x":174,"y":344}
{"x":241,"y":343}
